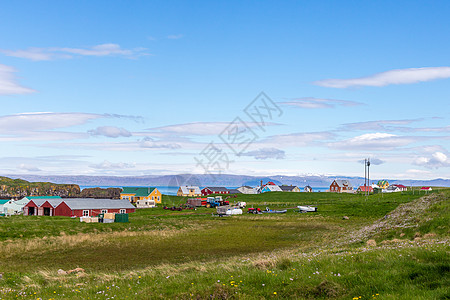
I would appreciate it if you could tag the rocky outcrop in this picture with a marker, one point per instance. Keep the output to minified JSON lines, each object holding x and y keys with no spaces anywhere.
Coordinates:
{"x":111,"y":193}
{"x":18,"y":188}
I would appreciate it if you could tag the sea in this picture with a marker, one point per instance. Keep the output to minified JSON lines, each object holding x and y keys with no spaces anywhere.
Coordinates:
{"x":172,"y":190}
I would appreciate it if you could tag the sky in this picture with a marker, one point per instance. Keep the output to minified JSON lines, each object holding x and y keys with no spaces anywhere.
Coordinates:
{"x":130,"y":88}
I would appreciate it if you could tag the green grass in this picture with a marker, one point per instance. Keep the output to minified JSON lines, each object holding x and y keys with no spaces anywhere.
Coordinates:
{"x":190,"y":254}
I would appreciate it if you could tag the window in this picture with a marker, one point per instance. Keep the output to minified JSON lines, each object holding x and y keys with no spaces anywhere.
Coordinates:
{"x":153,"y":198}
{"x":158,"y":198}
{"x":85,"y":213}
{"x":104,"y":211}
{"x":122,"y":211}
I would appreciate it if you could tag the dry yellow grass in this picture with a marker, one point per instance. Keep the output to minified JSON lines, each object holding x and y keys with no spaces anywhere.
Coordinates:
{"x":9,"y":248}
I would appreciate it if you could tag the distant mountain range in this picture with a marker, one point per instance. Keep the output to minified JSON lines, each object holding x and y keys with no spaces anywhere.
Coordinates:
{"x":215,"y":180}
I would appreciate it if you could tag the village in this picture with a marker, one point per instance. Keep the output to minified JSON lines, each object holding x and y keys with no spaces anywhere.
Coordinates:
{"x":132,"y":198}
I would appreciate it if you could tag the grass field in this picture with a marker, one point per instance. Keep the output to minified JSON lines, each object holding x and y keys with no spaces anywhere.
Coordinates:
{"x":194,"y":255}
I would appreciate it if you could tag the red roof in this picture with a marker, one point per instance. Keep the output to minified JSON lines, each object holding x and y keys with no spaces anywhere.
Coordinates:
{"x":270,"y":183}
{"x":400,"y":186}
{"x":364,"y":188}
{"x":426,"y":188}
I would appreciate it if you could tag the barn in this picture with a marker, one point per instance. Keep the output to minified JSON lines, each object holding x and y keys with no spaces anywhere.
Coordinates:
{"x":76,"y":207}
{"x":41,"y":206}
{"x":214,"y":190}
{"x":93,"y":207}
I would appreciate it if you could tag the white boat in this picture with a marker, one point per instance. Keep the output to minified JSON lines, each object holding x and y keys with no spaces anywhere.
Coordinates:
{"x":306,"y":208}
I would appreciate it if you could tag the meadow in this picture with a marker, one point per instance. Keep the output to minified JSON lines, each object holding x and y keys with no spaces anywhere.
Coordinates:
{"x":391,"y":246}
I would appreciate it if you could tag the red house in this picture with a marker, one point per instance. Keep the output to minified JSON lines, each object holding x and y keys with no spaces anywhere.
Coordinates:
{"x":77,"y":207}
{"x":341,"y":186}
{"x":214,"y":190}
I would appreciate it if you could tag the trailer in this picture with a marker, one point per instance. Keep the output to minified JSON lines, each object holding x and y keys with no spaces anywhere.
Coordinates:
{"x":196,"y":202}
{"x":306,"y":208}
{"x":228,"y":210}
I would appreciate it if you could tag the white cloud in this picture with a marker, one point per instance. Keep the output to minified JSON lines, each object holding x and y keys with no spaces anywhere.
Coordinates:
{"x":198,"y":128}
{"x":399,"y":76}
{"x":301,"y":139}
{"x":30,"y":168}
{"x":373,"y":161}
{"x":174,"y":36}
{"x":40,"y":54}
{"x":373,"y":141}
{"x":152,"y":144}
{"x":8,"y":84}
{"x":312,"y":103}
{"x":31,"y":122}
{"x":435,"y":161}
{"x":106,"y":165}
{"x":265,"y":153}
{"x":385,"y":125}
{"x":110,"y":131}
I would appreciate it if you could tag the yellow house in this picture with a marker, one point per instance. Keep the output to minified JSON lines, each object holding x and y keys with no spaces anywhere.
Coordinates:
{"x":136,"y":194}
{"x":189,"y":191}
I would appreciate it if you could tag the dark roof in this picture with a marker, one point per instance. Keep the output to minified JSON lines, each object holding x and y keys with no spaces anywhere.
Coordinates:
{"x":287,"y":187}
{"x":87,"y":203}
{"x":217,"y":189}
{"x":246,"y":186}
{"x":234,"y":191}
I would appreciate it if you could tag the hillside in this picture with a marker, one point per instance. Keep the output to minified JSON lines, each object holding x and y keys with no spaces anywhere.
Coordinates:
{"x":218,"y":180}
{"x":392,"y":246}
{"x":19,"y":188}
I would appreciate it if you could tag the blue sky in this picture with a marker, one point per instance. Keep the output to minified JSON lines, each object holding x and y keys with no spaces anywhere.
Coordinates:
{"x":141,"y":87}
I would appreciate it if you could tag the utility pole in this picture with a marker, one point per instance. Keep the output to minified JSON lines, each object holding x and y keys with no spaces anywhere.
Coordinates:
{"x":366,"y":175}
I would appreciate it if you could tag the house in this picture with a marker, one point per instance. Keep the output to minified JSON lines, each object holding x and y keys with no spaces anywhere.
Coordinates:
{"x":2,"y":203}
{"x":189,"y":191}
{"x":308,"y":189}
{"x":15,"y":207}
{"x":214,"y":190}
{"x":341,"y":186}
{"x":84,"y":207}
{"x":142,"y":196}
{"x":41,"y":206}
{"x":383,"y":184}
{"x":234,"y":191}
{"x":426,"y":188}
{"x":401,"y":187}
{"x":392,"y":189}
{"x":290,"y":188}
{"x":270,"y":183}
{"x":245,"y":189}
{"x":271,"y":188}
{"x":365,"y":188}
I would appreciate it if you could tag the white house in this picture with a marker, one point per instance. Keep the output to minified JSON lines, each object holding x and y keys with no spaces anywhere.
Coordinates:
{"x":246,"y":190}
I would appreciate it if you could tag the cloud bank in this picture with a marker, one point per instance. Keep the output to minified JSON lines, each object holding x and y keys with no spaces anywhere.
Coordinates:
{"x":52,"y":53}
{"x":399,"y":76}
{"x":266,"y":153}
{"x":8,"y":83}
{"x":314,"y":103}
